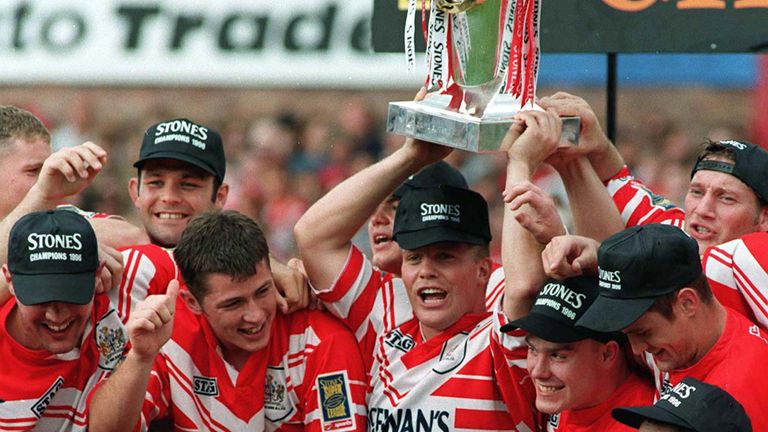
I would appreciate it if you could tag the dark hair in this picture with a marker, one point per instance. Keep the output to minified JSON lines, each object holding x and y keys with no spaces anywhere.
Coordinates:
{"x":18,"y":123}
{"x":216,"y":183}
{"x":716,"y":149}
{"x":224,"y":242}
{"x":663,"y":304}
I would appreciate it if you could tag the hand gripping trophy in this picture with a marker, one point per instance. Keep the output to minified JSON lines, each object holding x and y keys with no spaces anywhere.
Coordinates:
{"x":483,"y":60}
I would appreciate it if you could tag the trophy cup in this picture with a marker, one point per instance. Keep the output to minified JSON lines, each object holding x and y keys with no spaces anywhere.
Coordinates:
{"x":483,"y":58}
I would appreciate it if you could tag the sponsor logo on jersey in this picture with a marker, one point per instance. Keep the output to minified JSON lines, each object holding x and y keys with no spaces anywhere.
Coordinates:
{"x":397,"y":340}
{"x":554,"y":420}
{"x":110,"y":340}
{"x":38,"y":408}
{"x":407,"y":419}
{"x":205,"y":386}
{"x":333,"y":396}
{"x":755,"y":331}
{"x":277,"y":403}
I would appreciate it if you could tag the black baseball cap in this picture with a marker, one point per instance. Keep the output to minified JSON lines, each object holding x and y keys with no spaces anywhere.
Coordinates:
{"x":693,"y":405}
{"x":439,"y":173}
{"x":751,"y":166}
{"x":53,"y":257}
{"x":186,"y":141}
{"x":441,"y":214}
{"x":556,"y":309}
{"x":635,"y":267}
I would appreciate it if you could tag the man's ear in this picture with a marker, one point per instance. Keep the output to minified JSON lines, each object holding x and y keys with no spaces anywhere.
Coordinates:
{"x":762,"y":219}
{"x":7,"y":277}
{"x":221,"y":196}
{"x":133,"y":190}
{"x":688,"y":301}
{"x":611,"y":352}
{"x":191,"y":302}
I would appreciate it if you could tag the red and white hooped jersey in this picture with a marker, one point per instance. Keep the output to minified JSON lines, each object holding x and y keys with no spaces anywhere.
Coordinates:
{"x":733,"y":364}
{"x":311,"y":376}
{"x":48,"y":392}
{"x":470,"y":377}
{"x":737,"y":270}
{"x":738,"y":274}
{"x":639,"y":205}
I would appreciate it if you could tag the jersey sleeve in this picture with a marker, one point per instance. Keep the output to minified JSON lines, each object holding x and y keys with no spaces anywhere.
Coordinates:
{"x":639,"y":205}
{"x":335,"y":383}
{"x":368,"y":301}
{"x":494,"y":290}
{"x":147,"y":270}
{"x":737,"y":272}
{"x":509,"y":352}
{"x":158,"y":395}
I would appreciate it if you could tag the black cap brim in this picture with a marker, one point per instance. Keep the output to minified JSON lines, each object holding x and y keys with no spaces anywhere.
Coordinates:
{"x":75,"y":288}
{"x":178,"y":156}
{"x":437,"y":234}
{"x":546,"y":328}
{"x":608,"y":314}
{"x":635,"y":416}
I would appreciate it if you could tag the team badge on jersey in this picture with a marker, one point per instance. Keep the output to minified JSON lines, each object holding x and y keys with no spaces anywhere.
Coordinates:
{"x":277,"y":403}
{"x":333,"y":394}
{"x":39,"y":407}
{"x":110,"y":340}
{"x":453,"y":354}
{"x":205,"y":386}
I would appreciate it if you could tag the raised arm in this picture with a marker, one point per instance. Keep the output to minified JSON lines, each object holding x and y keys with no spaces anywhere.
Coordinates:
{"x":149,"y":328}
{"x":533,"y":138}
{"x":325,"y":231}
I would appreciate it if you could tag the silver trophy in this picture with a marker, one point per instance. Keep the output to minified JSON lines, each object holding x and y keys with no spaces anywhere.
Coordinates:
{"x":475,"y":114}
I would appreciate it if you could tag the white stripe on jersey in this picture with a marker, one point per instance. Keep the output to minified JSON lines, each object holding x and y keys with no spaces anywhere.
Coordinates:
{"x":210,"y":412}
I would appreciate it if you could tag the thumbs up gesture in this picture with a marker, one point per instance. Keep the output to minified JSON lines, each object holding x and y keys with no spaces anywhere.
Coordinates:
{"x":151,"y":324}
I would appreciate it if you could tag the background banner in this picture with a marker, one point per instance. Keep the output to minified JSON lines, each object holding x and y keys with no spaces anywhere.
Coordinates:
{"x":293,"y":43}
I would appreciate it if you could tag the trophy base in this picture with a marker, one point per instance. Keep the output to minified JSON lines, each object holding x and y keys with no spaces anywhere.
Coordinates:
{"x":428,"y":122}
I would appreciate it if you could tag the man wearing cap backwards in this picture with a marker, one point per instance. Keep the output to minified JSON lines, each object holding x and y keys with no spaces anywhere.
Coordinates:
{"x":434,"y":355}
{"x":232,"y":361}
{"x":691,"y":405}
{"x":57,"y":340}
{"x":725,"y":209}
{"x":652,"y":288}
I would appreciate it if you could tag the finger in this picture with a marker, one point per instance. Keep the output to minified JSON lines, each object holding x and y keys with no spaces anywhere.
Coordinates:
{"x":172,"y":292}
{"x":282,"y":303}
{"x":513,"y":133}
{"x":420,"y":94}
{"x":91,"y":155}
{"x":104,"y":281}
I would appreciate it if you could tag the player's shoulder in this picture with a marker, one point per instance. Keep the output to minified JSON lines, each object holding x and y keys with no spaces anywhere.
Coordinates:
{"x":314,"y":324}
{"x":154,"y":253}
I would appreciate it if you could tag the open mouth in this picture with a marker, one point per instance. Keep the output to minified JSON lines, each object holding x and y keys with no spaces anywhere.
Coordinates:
{"x":432,"y":295}
{"x":379,"y":239}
